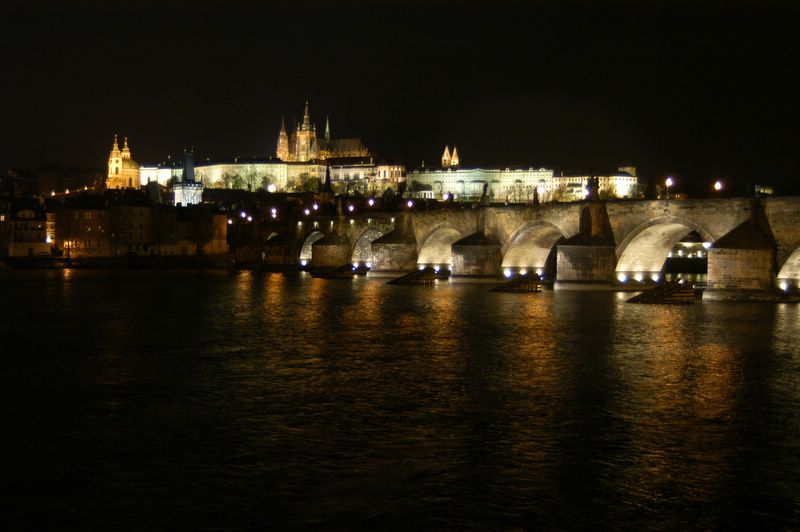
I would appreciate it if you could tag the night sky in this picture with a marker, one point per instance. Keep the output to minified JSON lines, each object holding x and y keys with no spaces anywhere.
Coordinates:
{"x":697,"y":92}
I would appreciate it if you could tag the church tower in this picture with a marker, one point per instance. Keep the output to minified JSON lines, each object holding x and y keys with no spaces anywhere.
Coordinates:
{"x":282,"y":152}
{"x":454,"y":158}
{"x":123,"y":171}
{"x":446,"y":157}
{"x":306,"y":138}
{"x":114,"y":165}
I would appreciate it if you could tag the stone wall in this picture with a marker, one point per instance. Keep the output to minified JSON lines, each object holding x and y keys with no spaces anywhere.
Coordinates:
{"x":741,"y":269}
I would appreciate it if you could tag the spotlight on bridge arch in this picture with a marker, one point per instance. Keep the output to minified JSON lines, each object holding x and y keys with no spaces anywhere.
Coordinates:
{"x":369,"y":265}
{"x":355,"y":265}
{"x":784,"y":286}
{"x":508,"y":273}
{"x":655,"y":277}
{"x":523,"y":271}
{"x":271,"y":188}
{"x":303,"y":262}
{"x":436,"y":268}
{"x":421,"y":266}
{"x":706,"y":245}
{"x":622,"y":277}
{"x":638,"y":277}
{"x":539,"y":271}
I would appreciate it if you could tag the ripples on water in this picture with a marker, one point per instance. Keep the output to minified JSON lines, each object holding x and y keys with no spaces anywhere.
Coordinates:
{"x":141,"y":400}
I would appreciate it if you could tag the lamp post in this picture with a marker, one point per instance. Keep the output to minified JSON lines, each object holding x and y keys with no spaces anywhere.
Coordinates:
{"x":718,"y":186}
{"x":669,"y":182}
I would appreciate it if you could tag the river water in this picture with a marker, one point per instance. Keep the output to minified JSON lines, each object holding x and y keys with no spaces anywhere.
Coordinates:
{"x":207,"y":400}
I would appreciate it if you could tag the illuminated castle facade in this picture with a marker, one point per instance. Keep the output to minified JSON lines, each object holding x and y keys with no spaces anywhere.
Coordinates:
{"x":303,"y":145}
{"x":514,"y":184}
{"x":123,"y":171}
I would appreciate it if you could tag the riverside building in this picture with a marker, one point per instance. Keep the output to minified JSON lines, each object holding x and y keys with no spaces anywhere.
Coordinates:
{"x":517,"y":184}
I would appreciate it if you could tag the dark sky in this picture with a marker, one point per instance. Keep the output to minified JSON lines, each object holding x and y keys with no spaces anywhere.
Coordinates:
{"x":697,"y":92}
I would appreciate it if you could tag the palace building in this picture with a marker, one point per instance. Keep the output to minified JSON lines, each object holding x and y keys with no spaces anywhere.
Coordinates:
{"x":123,"y":171}
{"x":513,"y":184}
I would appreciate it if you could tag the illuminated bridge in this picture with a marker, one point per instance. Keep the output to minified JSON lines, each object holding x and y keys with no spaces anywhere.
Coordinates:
{"x":751,"y":244}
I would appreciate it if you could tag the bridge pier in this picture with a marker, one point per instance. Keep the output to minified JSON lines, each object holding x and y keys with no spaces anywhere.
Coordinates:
{"x":395,"y":253}
{"x":331,"y":251}
{"x":587,"y":260}
{"x":476,"y":256}
{"x":741,"y":266}
{"x":585,"y":267}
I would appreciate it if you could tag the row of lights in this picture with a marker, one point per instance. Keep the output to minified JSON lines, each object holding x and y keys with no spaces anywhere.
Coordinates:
{"x":639,"y":277}
{"x":508,"y":273}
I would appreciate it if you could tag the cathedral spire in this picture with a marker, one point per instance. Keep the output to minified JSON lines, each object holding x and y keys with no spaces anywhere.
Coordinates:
{"x":283,"y":124}
{"x":306,"y":118}
{"x":327,"y":128}
{"x":115,"y":147}
{"x":446,"y":157}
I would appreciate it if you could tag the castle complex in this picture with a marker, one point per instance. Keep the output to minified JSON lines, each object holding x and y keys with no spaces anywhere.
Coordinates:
{"x":302,"y":160}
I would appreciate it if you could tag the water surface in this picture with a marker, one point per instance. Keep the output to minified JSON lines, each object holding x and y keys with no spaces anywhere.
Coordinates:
{"x":174,"y":399}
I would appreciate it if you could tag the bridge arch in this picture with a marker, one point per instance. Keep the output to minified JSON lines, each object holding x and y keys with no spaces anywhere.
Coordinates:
{"x":308,"y":243}
{"x":530,"y":247}
{"x":789,"y":275}
{"x":436,"y":247}
{"x":362,"y":250}
{"x":645,"y":248}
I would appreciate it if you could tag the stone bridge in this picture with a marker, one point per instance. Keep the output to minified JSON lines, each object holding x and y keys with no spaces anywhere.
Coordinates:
{"x":753,"y":244}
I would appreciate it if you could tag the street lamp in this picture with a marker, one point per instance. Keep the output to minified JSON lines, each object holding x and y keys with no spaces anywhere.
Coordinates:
{"x":669,"y":182}
{"x":718,"y":185}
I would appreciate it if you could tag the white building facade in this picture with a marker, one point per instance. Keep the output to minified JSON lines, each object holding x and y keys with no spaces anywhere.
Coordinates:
{"x":513,"y":185}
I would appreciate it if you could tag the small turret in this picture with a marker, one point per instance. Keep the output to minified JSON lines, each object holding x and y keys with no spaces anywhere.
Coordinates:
{"x":454,"y":158}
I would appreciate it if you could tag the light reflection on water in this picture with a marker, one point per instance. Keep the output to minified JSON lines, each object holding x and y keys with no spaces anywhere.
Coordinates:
{"x":209,"y":400}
